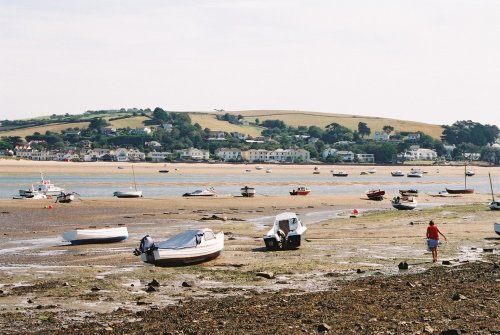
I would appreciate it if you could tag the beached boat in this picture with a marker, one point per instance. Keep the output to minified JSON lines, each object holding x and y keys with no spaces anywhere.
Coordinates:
{"x":397,"y":173}
{"x":163,"y":171}
{"x":259,"y":167}
{"x":404,"y":203}
{"x":363,"y":173}
{"x":301,"y":190}
{"x":316,"y":170}
{"x":469,"y":173}
{"x":31,"y":193}
{"x":186,"y":248}
{"x":135,"y":193}
{"x":464,"y":190}
{"x":340,"y":174}
{"x":287,"y":232}
{"x":44,"y":186}
{"x":248,"y":191}
{"x":371,"y":170}
{"x":496,"y":227}
{"x":65,"y":198}
{"x":269,"y":170}
{"x":375,"y":194}
{"x":415,"y":173}
{"x":210,"y":192}
{"x":96,"y":235}
{"x":409,"y":192}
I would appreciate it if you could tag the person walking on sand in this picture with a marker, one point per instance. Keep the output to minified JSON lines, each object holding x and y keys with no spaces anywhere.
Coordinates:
{"x":433,"y":233}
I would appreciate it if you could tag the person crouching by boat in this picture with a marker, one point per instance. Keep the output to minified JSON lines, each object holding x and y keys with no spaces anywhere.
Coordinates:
{"x":433,"y":233}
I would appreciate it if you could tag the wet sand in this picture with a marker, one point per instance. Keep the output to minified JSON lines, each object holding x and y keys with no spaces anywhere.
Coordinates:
{"x":42,"y":276}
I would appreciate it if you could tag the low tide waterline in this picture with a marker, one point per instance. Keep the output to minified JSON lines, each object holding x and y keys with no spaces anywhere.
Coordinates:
{"x":168,"y":185}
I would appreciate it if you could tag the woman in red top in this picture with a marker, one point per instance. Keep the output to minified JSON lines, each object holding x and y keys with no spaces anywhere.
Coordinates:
{"x":433,"y":239}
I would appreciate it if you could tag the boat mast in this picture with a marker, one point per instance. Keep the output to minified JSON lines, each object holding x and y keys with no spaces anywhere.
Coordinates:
{"x":491,"y":186}
{"x":133,"y":172}
{"x":465,"y":174}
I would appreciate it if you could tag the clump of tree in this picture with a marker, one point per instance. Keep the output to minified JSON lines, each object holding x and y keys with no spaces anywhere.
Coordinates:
{"x":470,"y":132}
{"x":233,"y":119}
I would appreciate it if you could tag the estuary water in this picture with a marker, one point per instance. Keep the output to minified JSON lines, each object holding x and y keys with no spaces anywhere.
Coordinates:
{"x":176,"y":184}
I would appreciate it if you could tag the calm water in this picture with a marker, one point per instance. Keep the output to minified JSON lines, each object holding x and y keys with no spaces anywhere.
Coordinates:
{"x":171,"y":184}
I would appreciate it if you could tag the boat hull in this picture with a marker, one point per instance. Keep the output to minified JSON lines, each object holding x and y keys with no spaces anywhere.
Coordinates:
{"x":181,"y":261}
{"x":131,"y":194}
{"x":460,"y":191}
{"x":98,"y":235}
{"x":494,"y":205}
{"x":496,"y":226}
{"x":404,"y":207}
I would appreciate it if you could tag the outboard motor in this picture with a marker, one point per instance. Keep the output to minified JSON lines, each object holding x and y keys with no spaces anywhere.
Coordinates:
{"x":146,"y":245}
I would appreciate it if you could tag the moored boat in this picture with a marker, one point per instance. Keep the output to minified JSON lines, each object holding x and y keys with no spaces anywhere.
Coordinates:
{"x":130,"y":193}
{"x":415,"y":173}
{"x":469,"y":173}
{"x":375,"y":194}
{"x":210,"y":192}
{"x":31,"y":194}
{"x":409,"y":192}
{"x":248,"y":191}
{"x":397,"y":173}
{"x":404,"y":203}
{"x":65,"y":198}
{"x":464,"y":190}
{"x":372,"y":170}
{"x":494,"y":205}
{"x":316,"y":170}
{"x":44,"y":186}
{"x":301,"y":190}
{"x":186,"y":248}
{"x":96,"y":235}
{"x":287,"y":232}
{"x":340,"y":174}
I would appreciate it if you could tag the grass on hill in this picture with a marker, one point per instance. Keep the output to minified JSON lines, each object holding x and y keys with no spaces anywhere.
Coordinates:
{"x":210,"y":121}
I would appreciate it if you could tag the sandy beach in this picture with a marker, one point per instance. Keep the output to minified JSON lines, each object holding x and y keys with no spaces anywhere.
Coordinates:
{"x":46,"y":284}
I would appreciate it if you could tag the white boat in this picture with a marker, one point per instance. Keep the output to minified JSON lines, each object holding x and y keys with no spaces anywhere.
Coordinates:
{"x":496,"y":226}
{"x":128,"y":194}
{"x":96,"y":235}
{"x":469,"y":173}
{"x":316,"y":170}
{"x":201,"y":193}
{"x":259,"y":167}
{"x":189,"y":247}
{"x":44,"y":186}
{"x":31,"y":193}
{"x":269,"y":170}
{"x":404,"y":203}
{"x":135,"y":193}
{"x":415,"y":173}
{"x":371,"y":170}
{"x":397,"y":173}
{"x":287,"y":232}
{"x":248,"y":191}
{"x":65,"y":197}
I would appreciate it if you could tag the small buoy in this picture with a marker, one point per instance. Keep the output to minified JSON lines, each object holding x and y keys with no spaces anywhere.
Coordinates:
{"x":355,"y":211}
{"x":50,"y":206}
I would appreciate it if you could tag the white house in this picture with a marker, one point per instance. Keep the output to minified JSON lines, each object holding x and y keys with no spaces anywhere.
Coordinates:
{"x":193,"y":153}
{"x":125,"y":155}
{"x":346,"y":156}
{"x":256,"y":155}
{"x":229,"y":154}
{"x":329,"y":152}
{"x":381,"y":136}
{"x":23,"y":151}
{"x":159,"y":156}
{"x":366,"y":158}
{"x":152,"y":144}
{"x":141,"y":131}
{"x":421,"y":154}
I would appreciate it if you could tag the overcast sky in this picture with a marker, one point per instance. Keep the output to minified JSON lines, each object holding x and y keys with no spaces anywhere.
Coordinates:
{"x":432,"y":61}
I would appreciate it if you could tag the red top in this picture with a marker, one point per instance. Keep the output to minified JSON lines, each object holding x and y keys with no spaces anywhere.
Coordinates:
{"x":432,"y":232}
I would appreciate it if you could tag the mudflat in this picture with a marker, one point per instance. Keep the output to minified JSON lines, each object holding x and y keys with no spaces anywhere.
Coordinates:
{"x":344,"y":277}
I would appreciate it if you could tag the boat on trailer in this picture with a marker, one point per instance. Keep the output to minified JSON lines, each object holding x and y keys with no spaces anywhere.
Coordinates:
{"x":96,"y":235}
{"x":287,"y":232}
{"x":189,"y":247}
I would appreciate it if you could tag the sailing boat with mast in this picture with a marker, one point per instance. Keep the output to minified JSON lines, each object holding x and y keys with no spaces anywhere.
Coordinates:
{"x":131,"y":193}
{"x":464,"y":190}
{"x":494,"y":205}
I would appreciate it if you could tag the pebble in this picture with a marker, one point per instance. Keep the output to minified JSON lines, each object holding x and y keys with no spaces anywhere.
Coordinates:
{"x":188,"y":283}
{"x":323,"y":328}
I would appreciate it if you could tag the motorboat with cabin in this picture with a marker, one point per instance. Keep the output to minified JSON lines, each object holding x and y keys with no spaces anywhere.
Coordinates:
{"x":65,"y":198}
{"x":44,"y":187}
{"x":496,"y":227}
{"x":248,"y":192}
{"x":404,"y":203}
{"x":301,"y":190}
{"x":412,"y":192}
{"x":188,"y":247}
{"x":415,"y":173}
{"x":207,"y":192}
{"x":287,"y":232}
